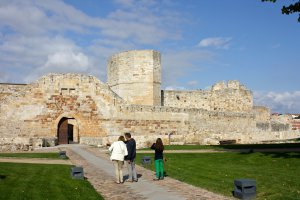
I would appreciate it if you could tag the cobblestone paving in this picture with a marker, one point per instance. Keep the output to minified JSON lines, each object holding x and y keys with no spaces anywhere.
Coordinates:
{"x":104,"y":183}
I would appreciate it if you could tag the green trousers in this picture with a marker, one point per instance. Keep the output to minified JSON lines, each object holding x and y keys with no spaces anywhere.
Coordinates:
{"x":159,"y":167}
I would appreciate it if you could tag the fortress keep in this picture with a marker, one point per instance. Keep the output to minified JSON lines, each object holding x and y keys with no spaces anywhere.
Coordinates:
{"x":77,"y":108}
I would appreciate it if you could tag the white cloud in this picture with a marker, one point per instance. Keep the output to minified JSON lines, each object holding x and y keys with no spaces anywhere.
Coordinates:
{"x":61,"y":62}
{"x":34,"y":17}
{"x":217,"y":42}
{"x":30,"y":57}
{"x":285,"y":102}
{"x":145,"y":22}
{"x":37,"y":37}
{"x":77,"y":61}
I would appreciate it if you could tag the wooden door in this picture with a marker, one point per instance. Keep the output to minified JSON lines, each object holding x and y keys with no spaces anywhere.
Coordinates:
{"x":63,"y":131}
{"x":70,"y":133}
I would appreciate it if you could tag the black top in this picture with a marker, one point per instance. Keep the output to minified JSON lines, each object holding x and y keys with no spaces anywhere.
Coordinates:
{"x":158,"y":153}
{"x":131,"y":148}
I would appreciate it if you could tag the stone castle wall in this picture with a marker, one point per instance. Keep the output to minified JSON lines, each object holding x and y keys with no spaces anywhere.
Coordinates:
{"x":262,"y":113}
{"x":30,"y":114}
{"x":7,"y":89}
{"x":31,"y":117}
{"x":191,"y":126}
{"x":232,"y":97}
{"x":136,"y":76}
{"x":35,"y":111}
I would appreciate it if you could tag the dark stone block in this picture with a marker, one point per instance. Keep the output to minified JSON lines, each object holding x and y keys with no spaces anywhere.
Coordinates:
{"x":245,"y":188}
{"x":62,"y":154}
{"x":77,"y":173}
{"x":146,"y":160}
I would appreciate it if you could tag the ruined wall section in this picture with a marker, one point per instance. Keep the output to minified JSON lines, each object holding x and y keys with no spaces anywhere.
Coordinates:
{"x":186,"y":99}
{"x":230,"y":97}
{"x":187,"y":126}
{"x":273,"y":123}
{"x":180,"y":125}
{"x":136,"y":76}
{"x":7,"y":89}
{"x":35,"y":111}
{"x":262,"y":113}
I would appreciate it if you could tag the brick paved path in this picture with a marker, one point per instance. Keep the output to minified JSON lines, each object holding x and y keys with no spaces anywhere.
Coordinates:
{"x":99,"y":171}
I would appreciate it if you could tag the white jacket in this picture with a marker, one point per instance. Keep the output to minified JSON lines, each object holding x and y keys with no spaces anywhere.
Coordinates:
{"x":118,"y":151}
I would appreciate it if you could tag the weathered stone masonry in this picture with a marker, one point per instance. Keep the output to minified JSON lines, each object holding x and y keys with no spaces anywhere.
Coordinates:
{"x":67,"y":108}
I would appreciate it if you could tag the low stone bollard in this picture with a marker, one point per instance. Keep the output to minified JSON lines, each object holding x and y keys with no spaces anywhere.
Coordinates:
{"x":62,"y":154}
{"x":146,"y":160}
{"x":245,"y":189}
{"x":77,"y":173}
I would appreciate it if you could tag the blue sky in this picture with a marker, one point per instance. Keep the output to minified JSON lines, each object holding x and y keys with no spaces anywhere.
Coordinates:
{"x":201,"y":42}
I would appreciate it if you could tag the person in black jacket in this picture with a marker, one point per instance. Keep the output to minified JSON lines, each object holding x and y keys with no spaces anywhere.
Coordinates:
{"x":158,"y":159}
{"x":130,"y":158}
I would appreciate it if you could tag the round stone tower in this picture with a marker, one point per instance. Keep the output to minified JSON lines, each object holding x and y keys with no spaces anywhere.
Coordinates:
{"x":136,"y":76}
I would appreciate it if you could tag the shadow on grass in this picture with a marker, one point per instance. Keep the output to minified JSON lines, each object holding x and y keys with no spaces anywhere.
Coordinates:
{"x":2,"y":177}
{"x":260,"y":146}
{"x":282,"y":154}
{"x":276,"y":154}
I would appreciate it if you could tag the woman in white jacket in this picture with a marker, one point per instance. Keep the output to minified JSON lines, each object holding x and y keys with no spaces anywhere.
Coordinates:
{"x":118,"y":151}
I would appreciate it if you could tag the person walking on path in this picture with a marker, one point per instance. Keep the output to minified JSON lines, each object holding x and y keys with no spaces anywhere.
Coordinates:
{"x":130,"y":158}
{"x":118,"y":152}
{"x":158,"y":159}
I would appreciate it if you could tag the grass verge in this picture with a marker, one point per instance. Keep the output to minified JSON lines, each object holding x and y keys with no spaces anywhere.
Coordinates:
{"x":277,"y":174}
{"x":40,"y":182}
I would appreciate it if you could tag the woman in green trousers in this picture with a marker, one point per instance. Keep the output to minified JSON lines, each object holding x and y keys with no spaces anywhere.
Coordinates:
{"x":158,"y":159}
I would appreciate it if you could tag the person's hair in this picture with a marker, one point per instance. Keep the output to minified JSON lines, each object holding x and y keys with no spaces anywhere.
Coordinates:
{"x":121,"y":138}
{"x":159,"y":144}
{"x":128,"y":135}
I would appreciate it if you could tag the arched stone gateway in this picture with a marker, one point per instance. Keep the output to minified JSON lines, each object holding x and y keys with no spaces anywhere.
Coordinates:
{"x":67,"y":131}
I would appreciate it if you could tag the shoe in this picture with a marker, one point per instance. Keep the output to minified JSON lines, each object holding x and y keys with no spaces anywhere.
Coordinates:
{"x":135,"y":180}
{"x":156,"y":179}
{"x":161,"y":178}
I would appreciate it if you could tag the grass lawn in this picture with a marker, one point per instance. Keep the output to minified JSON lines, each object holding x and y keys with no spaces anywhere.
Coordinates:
{"x":277,"y":174}
{"x":39,"y":181}
{"x":233,"y":146}
{"x":32,"y":155}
